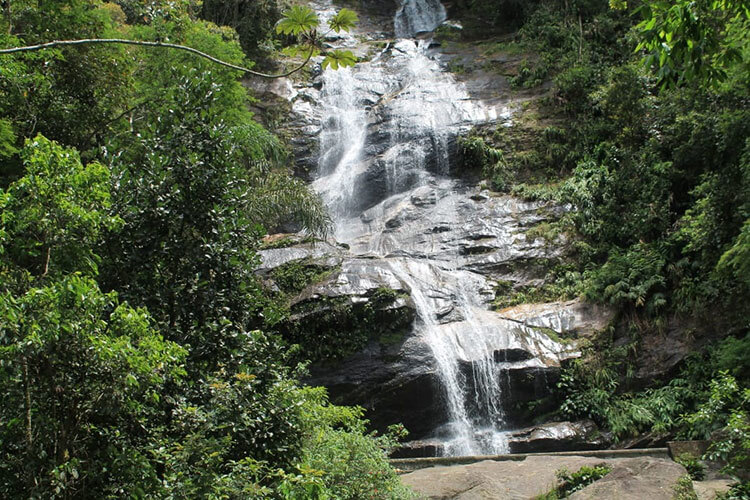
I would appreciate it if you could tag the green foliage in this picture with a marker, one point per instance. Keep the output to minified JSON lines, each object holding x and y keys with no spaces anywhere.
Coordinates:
{"x":578,"y":480}
{"x":696,"y":470}
{"x":53,"y":216}
{"x":591,"y":391}
{"x":659,"y":184}
{"x":336,"y":59}
{"x":297,"y":20}
{"x":727,"y":410}
{"x":686,"y":41}
{"x":683,"y":490}
{"x":737,"y":259}
{"x":82,"y":377}
{"x":635,"y":278}
{"x":354,"y":464}
{"x":330,"y":329}
{"x":95,"y":402}
{"x":253,"y":21}
{"x":344,"y":20}
{"x":294,"y":276}
{"x":7,"y":139}
{"x":301,"y":21}
{"x":739,"y":491}
{"x":562,"y":280}
{"x":193,"y":192}
{"x":64,"y":94}
{"x":570,"y":482}
{"x":701,"y":400}
{"x":478,"y":155}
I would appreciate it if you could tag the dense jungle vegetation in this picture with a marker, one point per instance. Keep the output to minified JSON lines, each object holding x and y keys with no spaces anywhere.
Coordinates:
{"x":138,"y":351}
{"x":643,"y":127}
{"x":135,"y":356}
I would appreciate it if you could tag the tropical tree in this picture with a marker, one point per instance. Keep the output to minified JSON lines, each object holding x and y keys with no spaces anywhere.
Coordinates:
{"x":688,"y":40}
{"x":81,"y":373}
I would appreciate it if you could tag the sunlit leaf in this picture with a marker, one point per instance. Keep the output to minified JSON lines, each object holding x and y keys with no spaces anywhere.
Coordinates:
{"x":339,"y":59}
{"x":344,"y":20}
{"x":297,"y":20}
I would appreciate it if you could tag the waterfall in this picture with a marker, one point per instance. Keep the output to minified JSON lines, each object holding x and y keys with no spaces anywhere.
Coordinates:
{"x":420,"y":110}
{"x":341,"y":141}
{"x":418,"y":16}
{"x":474,"y":400}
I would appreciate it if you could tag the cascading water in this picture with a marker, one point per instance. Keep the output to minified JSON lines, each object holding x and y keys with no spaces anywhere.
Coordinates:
{"x":341,"y":141}
{"x":420,"y":110}
{"x":418,"y":16}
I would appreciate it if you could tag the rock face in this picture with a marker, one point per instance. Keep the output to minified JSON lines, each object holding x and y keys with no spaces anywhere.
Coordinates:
{"x":394,"y":375}
{"x":558,"y":436}
{"x":630,"y":479}
{"x":635,"y":478}
{"x":573,"y":318}
{"x":398,"y":319}
{"x":396,"y":383}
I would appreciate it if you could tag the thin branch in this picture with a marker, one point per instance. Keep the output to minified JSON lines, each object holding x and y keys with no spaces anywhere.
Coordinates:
{"x":92,"y":41}
{"x":27,"y":404}
{"x":46,"y":263}
{"x":109,"y":122}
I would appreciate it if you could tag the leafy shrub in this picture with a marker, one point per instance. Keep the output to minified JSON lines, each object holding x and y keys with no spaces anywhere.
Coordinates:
{"x":294,"y":276}
{"x":634,"y":277}
{"x":683,"y":490}
{"x":739,"y":491}
{"x":725,"y":416}
{"x":354,"y":463}
{"x":570,"y":482}
{"x":573,"y":86}
{"x":695,"y":469}
{"x":578,"y":480}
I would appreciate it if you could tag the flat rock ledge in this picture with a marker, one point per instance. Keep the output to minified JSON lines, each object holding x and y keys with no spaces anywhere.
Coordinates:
{"x":636,"y":478}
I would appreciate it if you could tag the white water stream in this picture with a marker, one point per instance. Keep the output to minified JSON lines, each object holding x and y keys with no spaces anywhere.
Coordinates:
{"x":422,"y":109}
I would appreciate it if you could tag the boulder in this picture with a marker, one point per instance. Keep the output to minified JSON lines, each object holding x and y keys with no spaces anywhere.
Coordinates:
{"x":630,"y":479}
{"x":635,"y":478}
{"x":573,"y":318}
{"x":558,"y":436}
{"x":320,"y":253}
{"x":419,"y":448}
{"x":709,"y":490}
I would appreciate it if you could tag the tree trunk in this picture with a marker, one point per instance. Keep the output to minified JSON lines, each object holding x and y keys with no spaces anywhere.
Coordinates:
{"x":27,"y":403}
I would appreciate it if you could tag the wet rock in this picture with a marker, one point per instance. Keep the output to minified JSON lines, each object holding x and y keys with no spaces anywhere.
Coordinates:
{"x":420,"y":448}
{"x":635,"y":478}
{"x":439,"y":221}
{"x":526,"y":384}
{"x":558,"y":436}
{"x":423,"y":197}
{"x":395,"y":383}
{"x":572,"y":318}
{"x":510,"y":355}
{"x":320,"y":253}
{"x":647,"y":440}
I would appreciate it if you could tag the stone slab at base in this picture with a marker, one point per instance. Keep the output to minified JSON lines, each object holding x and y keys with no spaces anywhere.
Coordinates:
{"x":413,"y":464}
